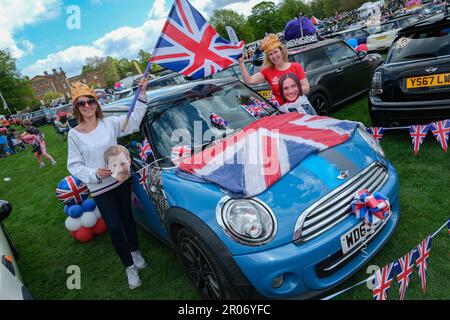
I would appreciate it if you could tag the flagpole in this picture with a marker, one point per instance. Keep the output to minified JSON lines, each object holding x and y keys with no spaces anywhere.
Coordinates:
{"x":5,"y":105}
{"x":138,"y":92}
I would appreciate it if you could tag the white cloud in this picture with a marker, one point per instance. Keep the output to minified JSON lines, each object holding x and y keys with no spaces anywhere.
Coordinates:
{"x":15,"y":15}
{"x":159,"y":10}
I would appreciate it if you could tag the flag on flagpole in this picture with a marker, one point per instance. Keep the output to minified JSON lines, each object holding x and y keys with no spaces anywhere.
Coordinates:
{"x":145,"y":150}
{"x":404,"y":271}
{"x":423,"y":249}
{"x":418,"y":134}
{"x":189,"y":45}
{"x":383,"y":280}
{"x":441,"y":130}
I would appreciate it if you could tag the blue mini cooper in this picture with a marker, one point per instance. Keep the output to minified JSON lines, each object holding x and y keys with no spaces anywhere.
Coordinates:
{"x":303,"y":239}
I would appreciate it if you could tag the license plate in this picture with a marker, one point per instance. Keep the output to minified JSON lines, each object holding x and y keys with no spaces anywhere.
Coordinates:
{"x":354,"y":237}
{"x":265,"y":93}
{"x":434,"y":80}
{"x":381,"y":38}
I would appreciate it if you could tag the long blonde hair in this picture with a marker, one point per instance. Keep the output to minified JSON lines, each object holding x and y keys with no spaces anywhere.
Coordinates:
{"x":268,"y":63}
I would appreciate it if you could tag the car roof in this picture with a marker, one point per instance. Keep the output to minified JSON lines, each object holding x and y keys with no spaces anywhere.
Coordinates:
{"x":433,"y":21}
{"x":311,"y":46}
{"x":163,"y":94}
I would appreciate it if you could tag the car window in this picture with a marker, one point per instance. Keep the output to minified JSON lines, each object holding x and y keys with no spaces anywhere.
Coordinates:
{"x":132,"y":143}
{"x":339,"y":52}
{"x":421,"y":45}
{"x":312,"y":59}
{"x":406,"y":22}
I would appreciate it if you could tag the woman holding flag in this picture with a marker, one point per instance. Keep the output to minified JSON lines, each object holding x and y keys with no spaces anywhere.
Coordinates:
{"x":87,"y":144}
{"x":276,"y":64}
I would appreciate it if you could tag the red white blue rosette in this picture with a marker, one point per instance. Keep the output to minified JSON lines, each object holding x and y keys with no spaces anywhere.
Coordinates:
{"x":371,"y":208}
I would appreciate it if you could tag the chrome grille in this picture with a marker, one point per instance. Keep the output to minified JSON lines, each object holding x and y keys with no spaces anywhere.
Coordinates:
{"x":336,"y":206}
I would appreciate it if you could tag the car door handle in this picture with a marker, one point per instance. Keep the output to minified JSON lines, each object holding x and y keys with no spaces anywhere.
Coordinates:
{"x":339,"y":70}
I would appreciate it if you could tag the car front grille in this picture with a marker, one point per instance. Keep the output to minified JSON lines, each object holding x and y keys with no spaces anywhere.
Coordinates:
{"x":336,"y":206}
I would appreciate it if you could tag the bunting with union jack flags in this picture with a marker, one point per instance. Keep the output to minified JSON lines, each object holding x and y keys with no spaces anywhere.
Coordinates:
{"x":418,"y":134}
{"x":143,"y":180}
{"x":189,"y":45}
{"x":405,"y":267}
{"x":423,"y":249}
{"x":145,"y":150}
{"x":383,"y":280}
{"x":441,"y":130}
{"x":377,"y":133}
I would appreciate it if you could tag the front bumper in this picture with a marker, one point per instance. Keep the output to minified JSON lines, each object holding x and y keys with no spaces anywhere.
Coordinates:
{"x":300,"y":263}
{"x":394,"y":114}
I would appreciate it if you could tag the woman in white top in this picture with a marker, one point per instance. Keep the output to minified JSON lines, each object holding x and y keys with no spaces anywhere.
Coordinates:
{"x":292,"y":96}
{"x":87,"y":144}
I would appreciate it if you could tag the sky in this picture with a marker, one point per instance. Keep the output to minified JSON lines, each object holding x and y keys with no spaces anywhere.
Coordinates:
{"x":48,"y":34}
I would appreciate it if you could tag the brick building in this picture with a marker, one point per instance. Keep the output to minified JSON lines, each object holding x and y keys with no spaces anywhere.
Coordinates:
{"x":94,"y":78}
{"x":56,"y":82}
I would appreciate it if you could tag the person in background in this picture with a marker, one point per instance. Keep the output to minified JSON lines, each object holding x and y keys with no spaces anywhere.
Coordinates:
{"x":275,"y":65}
{"x":61,"y":124}
{"x":35,"y":138}
{"x":292,"y":95}
{"x":88,"y":142}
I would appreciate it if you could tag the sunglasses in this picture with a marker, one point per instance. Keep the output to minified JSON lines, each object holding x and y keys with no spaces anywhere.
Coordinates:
{"x":90,"y":102}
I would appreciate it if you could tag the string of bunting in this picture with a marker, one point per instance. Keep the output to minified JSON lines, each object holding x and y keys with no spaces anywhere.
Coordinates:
{"x":440,"y":129}
{"x":402,"y":268}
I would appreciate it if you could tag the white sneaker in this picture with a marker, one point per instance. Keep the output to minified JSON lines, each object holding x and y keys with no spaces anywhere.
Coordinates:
{"x":133,"y":277}
{"x":53,"y":162}
{"x":138,"y":260}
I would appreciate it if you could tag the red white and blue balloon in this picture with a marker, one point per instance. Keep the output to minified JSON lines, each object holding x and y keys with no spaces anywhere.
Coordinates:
{"x":71,"y":190}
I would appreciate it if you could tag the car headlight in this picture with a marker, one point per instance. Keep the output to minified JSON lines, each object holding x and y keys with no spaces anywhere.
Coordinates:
{"x":373,"y":143}
{"x":248,"y":221}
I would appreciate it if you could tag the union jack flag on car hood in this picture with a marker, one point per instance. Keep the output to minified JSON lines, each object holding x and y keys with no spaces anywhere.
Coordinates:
{"x":249,"y":162}
{"x":189,"y":45}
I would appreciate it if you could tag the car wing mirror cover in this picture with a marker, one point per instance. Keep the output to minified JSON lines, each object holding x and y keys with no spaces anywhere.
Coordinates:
{"x":5,"y":210}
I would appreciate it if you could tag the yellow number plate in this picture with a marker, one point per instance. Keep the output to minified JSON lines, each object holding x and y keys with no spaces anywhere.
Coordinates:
{"x":435,"y":80}
{"x":381,"y":38}
{"x":265,"y":93}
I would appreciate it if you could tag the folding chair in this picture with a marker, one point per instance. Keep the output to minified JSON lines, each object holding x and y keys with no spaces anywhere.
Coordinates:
{"x":59,"y":134}
{"x":18,"y":145}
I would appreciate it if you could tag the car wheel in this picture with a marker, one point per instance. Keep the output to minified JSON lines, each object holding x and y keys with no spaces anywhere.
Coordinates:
{"x":203,"y":268}
{"x":320,"y":103}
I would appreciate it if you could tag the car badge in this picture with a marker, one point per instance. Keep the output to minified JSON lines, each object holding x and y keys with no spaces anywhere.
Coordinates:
{"x":431,"y":69}
{"x":343,"y":175}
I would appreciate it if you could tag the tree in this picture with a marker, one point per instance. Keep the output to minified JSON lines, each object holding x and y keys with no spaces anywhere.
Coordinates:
{"x":290,"y":9}
{"x":110,"y":72}
{"x":144,"y":57}
{"x":50,"y":96}
{"x":226,"y":17}
{"x":265,"y":18}
{"x":125,"y":67}
{"x":15,"y":88}
{"x":92,"y":63}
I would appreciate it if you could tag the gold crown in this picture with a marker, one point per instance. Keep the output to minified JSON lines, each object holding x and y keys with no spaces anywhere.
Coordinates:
{"x":270,"y":42}
{"x":79,"y":89}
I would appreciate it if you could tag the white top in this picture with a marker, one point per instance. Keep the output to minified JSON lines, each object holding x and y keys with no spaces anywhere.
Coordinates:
{"x":302,"y":105}
{"x":86,"y":150}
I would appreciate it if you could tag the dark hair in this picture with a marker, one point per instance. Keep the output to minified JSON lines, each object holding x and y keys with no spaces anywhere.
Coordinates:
{"x":289,"y":76}
{"x":77,"y":114}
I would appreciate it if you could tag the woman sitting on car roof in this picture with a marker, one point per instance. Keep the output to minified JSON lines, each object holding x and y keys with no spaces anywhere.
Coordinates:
{"x":276,"y":64}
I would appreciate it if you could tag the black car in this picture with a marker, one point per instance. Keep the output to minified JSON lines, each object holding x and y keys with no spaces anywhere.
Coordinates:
{"x":413,"y":86}
{"x":336,"y":73}
{"x":38,"y":118}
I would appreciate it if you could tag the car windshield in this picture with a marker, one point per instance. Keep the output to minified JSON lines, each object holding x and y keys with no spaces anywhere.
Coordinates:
{"x":186,"y":120}
{"x":421,"y":45}
{"x":38,"y":113}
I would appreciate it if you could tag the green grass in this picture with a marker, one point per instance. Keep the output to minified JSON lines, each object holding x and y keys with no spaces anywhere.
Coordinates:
{"x":47,"y":249}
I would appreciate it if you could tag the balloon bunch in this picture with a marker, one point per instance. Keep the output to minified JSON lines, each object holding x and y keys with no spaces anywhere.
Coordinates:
{"x":371,"y":208}
{"x":84,"y":219}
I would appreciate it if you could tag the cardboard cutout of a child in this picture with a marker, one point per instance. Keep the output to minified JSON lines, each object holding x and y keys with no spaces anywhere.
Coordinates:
{"x":118,"y":160}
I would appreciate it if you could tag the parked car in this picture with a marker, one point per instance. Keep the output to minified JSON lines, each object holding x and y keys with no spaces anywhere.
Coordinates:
{"x":11,"y":283}
{"x":336,"y":73}
{"x":359,"y":33}
{"x":38,"y":118}
{"x":413,"y":86}
{"x":382,"y":36}
{"x":303,"y":217}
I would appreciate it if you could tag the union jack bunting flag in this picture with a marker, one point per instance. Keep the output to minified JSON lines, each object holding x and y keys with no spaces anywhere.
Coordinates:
{"x":143,"y":180}
{"x":145,"y":150}
{"x":255,"y":111}
{"x":423,"y":249}
{"x":441,"y":130}
{"x":418,"y":134}
{"x":274,"y":102}
{"x":260,"y":154}
{"x":259,"y":103}
{"x":404,"y":271}
{"x":383,"y":280}
{"x":377,"y":133}
{"x":189,"y":45}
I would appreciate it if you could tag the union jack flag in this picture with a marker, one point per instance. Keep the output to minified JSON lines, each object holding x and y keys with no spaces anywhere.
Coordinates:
{"x":218,"y":120}
{"x":441,"y":131}
{"x":72,"y":190}
{"x":189,"y":45}
{"x":423,"y":249}
{"x":257,"y":156}
{"x":143,"y":180}
{"x":418,"y":134}
{"x":259,"y":103}
{"x":383,"y":280}
{"x":145,"y":150}
{"x":255,"y":111}
{"x":377,"y":133}
{"x":404,"y":271}
{"x":274,"y":102}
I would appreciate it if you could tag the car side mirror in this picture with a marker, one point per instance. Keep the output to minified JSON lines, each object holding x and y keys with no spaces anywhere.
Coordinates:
{"x":362,"y":54}
{"x":5,"y":210}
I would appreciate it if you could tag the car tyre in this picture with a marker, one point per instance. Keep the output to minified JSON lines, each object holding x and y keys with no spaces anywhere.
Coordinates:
{"x":203,"y":268}
{"x":320,"y":103}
